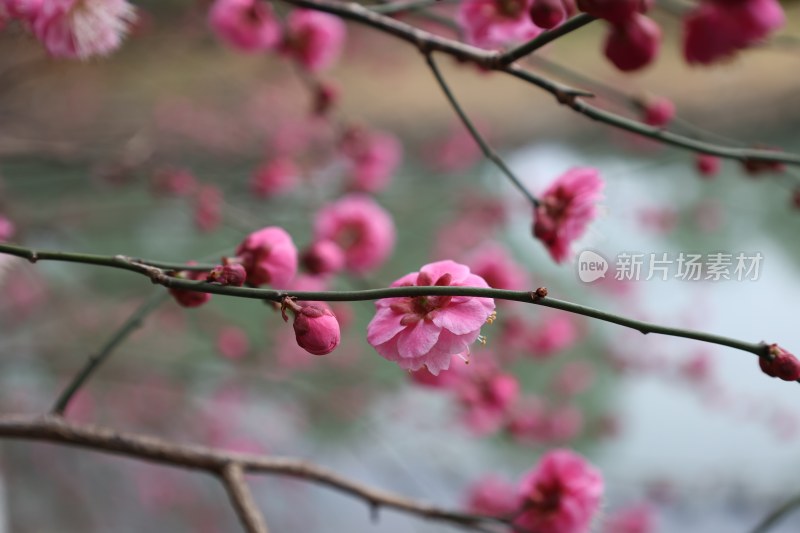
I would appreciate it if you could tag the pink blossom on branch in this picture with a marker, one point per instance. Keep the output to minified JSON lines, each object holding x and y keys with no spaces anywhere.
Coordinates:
{"x":313,"y":39}
{"x":80,"y":29}
{"x":547,"y":14}
{"x":486,"y":396}
{"x":780,"y":364}
{"x":560,"y":495}
{"x":493,"y":23}
{"x":633,"y":44}
{"x":427,"y":330}
{"x":566,"y":209}
{"x":247,"y":25}
{"x":315,"y":327}
{"x":275,"y":177}
{"x":269,"y":256}
{"x":360,"y":227}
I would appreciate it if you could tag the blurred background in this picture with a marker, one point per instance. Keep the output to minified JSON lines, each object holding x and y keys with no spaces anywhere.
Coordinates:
{"x":153,"y":154}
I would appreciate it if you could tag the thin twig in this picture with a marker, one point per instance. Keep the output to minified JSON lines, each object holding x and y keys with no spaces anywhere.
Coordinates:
{"x":242,"y":499}
{"x":544,"y":38}
{"x":215,"y":461}
{"x":488,"y":151}
{"x":760,"y":349}
{"x":133,"y":323}
{"x":776,"y":515}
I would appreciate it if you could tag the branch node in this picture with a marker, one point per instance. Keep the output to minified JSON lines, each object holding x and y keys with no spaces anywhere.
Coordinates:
{"x":538,"y":294}
{"x":33,"y":256}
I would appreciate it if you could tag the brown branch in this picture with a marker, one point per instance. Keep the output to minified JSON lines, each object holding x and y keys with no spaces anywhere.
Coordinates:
{"x":242,"y":499}
{"x":215,"y":461}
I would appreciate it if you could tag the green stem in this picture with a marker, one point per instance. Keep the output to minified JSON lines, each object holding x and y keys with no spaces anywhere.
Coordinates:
{"x":487,"y":150}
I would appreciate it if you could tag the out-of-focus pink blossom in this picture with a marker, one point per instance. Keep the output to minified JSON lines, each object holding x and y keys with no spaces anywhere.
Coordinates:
{"x":275,"y":177}
{"x":658,"y":111}
{"x":639,"y":518}
{"x":660,"y":220}
{"x":562,"y":424}
{"x":574,"y":378}
{"x":492,"y":496}
{"x":697,"y":368}
{"x":323,"y":257}
{"x":373,"y":158}
{"x":708,"y":165}
{"x":208,"y":208}
{"x":486,"y":396}
{"x":445,"y":379}
{"x":7,"y":229}
{"x":360,"y":227}
{"x":493,"y":23}
{"x":316,"y":328}
{"x":780,"y":364}
{"x":427,"y":330}
{"x":24,"y":10}
{"x":326,"y":96}
{"x":232,"y":343}
{"x":614,"y":11}
{"x":547,"y":14}
{"x":554,"y":334}
{"x":173,"y":181}
{"x":560,"y":495}
{"x":494,"y":263}
{"x":187,"y":298}
{"x":247,"y":25}
{"x":717,"y":29}
{"x":633,"y":44}
{"x":566,"y":209}
{"x":80,"y":29}
{"x":269,"y":256}
{"x":313,"y":39}
{"x":456,"y":152}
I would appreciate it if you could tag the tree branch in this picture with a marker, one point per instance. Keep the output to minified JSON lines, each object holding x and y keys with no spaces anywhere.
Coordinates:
{"x":776,"y":515}
{"x":216,"y":461}
{"x":242,"y":499}
{"x":544,"y":38}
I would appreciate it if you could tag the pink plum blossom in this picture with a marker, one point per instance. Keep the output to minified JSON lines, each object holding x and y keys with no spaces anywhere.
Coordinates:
{"x":427,"y":330}
{"x":633,"y":44}
{"x":232,"y":343}
{"x":7,"y":229}
{"x":269,"y":256}
{"x":638,"y":518}
{"x":494,"y":263}
{"x":716,"y":29}
{"x":444,"y":380}
{"x":315,"y":327}
{"x":547,"y":14}
{"x":373,"y":158}
{"x":323,"y":257}
{"x":658,"y":111}
{"x":486,"y":396}
{"x":80,"y":29}
{"x":275,"y":177}
{"x":313,"y":39}
{"x":492,"y":496}
{"x":493,"y":23}
{"x":360,"y":227}
{"x":566,"y":209}
{"x":187,"y":298}
{"x":228,"y":273}
{"x":24,"y":10}
{"x":707,"y":165}
{"x":560,"y":495}
{"x":555,"y":334}
{"x":247,"y":25}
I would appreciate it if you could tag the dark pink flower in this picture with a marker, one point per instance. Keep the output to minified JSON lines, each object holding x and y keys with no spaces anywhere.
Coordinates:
{"x":269,"y":256}
{"x":232,"y":343}
{"x":658,"y":111}
{"x":547,"y":14}
{"x":187,"y":298}
{"x":323,"y":257}
{"x":717,"y":29}
{"x":24,"y":10}
{"x":708,"y":165}
{"x":275,"y":177}
{"x":492,"y":496}
{"x":82,"y":28}
{"x":566,"y":209}
{"x":560,"y":495}
{"x":315,"y":327}
{"x":228,"y":273}
{"x":493,"y":23}
{"x":633,"y":44}
{"x":639,"y":518}
{"x":427,"y":330}
{"x":780,"y":364}
{"x":360,"y":227}
{"x":313,"y":39}
{"x":373,"y":158}
{"x":247,"y":25}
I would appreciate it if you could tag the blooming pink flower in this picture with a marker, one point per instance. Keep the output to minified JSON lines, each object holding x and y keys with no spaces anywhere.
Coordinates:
{"x":614,"y":11}
{"x":247,"y":25}
{"x":716,"y":29}
{"x":82,"y":28}
{"x":495,"y":264}
{"x":7,"y":229}
{"x":492,"y":23}
{"x":633,"y":44}
{"x":373,"y":158}
{"x":25,"y":10}
{"x":315,"y":327}
{"x":323,"y":257}
{"x":560,"y":495}
{"x":566,"y":209}
{"x":313,"y":39}
{"x":658,"y":111}
{"x":781,"y":364}
{"x":708,"y":165}
{"x":639,"y":518}
{"x":276,"y":177}
{"x":547,"y":14}
{"x":269,"y":256}
{"x":362,"y":229}
{"x":232,"y":343}
{"x":492,"y":496}
{"x":427,"y":330}
{"x":208,"y":208}
{"x":555,"y":334}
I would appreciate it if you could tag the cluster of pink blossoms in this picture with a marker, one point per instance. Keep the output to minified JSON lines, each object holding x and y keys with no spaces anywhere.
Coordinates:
{"x":73,"y":28}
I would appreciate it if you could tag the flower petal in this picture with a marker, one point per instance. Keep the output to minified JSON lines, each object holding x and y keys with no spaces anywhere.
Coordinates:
{"x":418,"y":340}
{"x":462,"y":318}
{"x":384,"y":326}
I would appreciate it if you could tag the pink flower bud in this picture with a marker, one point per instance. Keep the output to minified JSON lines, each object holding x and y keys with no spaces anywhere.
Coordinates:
{"x":707,"y":165}
{"x":323,"y":257}
{"x":313,"y":39}
{"x":548,"y":13}
{"x":633,"y":44}
{"x":658,"y":111}
{"x":247,"y":25}
{"x":781,"y":364}
{"x":269,"y":256}
{"x":316,"y":329}
{"x":190,"y":298}
{"x":7,"y":229}
{"x":228,"y":274}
